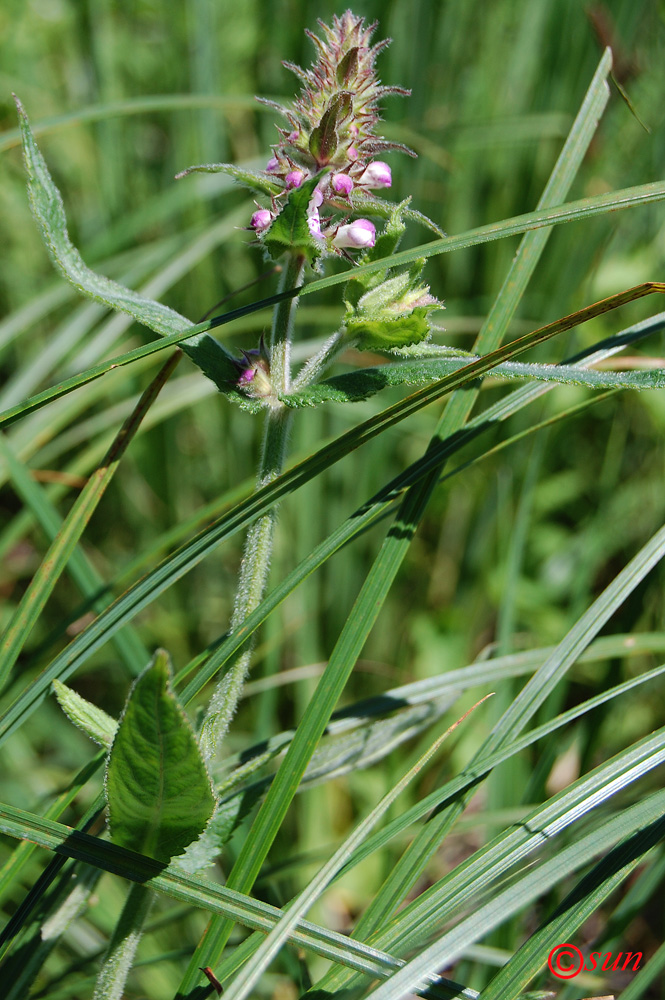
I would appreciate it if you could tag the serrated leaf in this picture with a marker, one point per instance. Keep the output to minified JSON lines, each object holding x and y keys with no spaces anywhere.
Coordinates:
{"x":355,"y":386}
{"x":369,"y":204}
{"x":251,"y":179}
{"x":290,"y":230}
{"x":49,"y":212}
{"x":159,"y":792}
{"x":94,"y":721}
{"x":382,"y":334}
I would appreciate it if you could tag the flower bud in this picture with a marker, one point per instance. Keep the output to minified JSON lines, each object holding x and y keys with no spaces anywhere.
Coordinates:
{"x":342,"y":184}
{"x":261,"y":219}
{"x":294,"y":179}
{"x":272,"y":165}
{"x":358,"y":234}
{"x":376,"y":175}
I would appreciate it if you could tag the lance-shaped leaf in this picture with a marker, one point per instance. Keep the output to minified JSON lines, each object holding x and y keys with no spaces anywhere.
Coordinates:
{"x":94,"y":721}
{"x":352,"y":387}
{"x":49,"y":212}
{"x":159,"y":792}
{"x":257,"y":182}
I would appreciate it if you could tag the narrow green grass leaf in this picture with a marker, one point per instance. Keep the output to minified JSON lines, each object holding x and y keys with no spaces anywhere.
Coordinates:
{"x":572,"y":211}
{"x":159,"y":792}
{"x":647,"y":975}
{"x":190,"y":889}
{"x":68,"y":536}
{"x":86,"y":577}
{"x":257,"y":504}
{"x":415,"y":858}
{"x":250,"y":975}
{"x":454,"y":893}
{"x":10,"y":872}
{"x":415,"y":925}
{"x":579,"y":905}
{"x":524,"y":890}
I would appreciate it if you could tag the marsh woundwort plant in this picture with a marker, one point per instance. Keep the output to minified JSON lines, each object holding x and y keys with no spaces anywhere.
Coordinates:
{"x":320,"y":195}
{"x":319,"y":190}
{"x":321,"y":175}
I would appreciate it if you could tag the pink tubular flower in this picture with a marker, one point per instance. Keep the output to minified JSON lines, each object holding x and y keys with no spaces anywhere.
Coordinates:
{"x":358,"y":234}
{"x":342,"y":184}
{"x":261,"y":219}
{"x":294,"y":179}
{"x":313,"y":218}
{"x":376,"y":175}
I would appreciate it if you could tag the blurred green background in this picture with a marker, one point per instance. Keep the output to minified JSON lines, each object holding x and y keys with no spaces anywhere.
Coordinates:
{"x":122,"y":96}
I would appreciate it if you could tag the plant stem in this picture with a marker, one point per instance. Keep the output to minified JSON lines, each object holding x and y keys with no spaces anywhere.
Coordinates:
{"x":122,"y":946}
{"x":255,"y":563}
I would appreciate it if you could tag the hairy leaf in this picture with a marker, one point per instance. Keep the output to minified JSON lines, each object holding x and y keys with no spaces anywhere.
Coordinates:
{"x":159,"y":792}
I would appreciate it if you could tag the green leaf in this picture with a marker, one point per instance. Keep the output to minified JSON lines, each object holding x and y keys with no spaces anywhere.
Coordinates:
{"x":49,"y":212}
{"x":257,"y":182}
{"x":353,"y":387}
{"x":159,"y":792}
{"x":369,"y":204}
{"x":324,"y":140}
{"x":99,"y":726}
{"x":289,"y":232}
{"x":379,"y":335}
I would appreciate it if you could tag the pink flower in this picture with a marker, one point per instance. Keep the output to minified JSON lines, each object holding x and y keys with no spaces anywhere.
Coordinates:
{"x":261,"y":219}
{"x":352,"y":153}
{"x":376,"y":175}
{"x":272,"y":165}
{"x":358,"y":234}
{"x":313,"y":218}
{"x":294,"y":179}
{"x":342,"y":184}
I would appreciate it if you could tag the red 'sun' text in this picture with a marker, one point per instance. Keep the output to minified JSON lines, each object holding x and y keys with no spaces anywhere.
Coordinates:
{"x":566,"y":961}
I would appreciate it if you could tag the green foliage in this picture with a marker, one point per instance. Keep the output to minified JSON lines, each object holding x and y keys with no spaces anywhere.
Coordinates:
{"x":497,"y":530}
{"x":158,"y":790}
{"x":290,"y":232}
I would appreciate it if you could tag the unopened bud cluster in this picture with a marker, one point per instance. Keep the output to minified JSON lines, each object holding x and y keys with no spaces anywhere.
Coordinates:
{"x":331,"y":133}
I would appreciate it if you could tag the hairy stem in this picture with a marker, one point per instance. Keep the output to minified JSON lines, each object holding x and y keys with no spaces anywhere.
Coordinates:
{"x":258,"y":544}
{"x":122,"y":946}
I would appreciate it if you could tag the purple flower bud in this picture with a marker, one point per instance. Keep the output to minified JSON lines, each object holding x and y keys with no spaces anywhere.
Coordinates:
{"x":352,"y":153}
{"x":294,"y":136}
{"x":342,"y":184}
{"x":376,"y":175}
{"x":294,"y":179}
{"x":261,"y":219}
{"x":272,"y":165}
{"x":360,"y":233}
